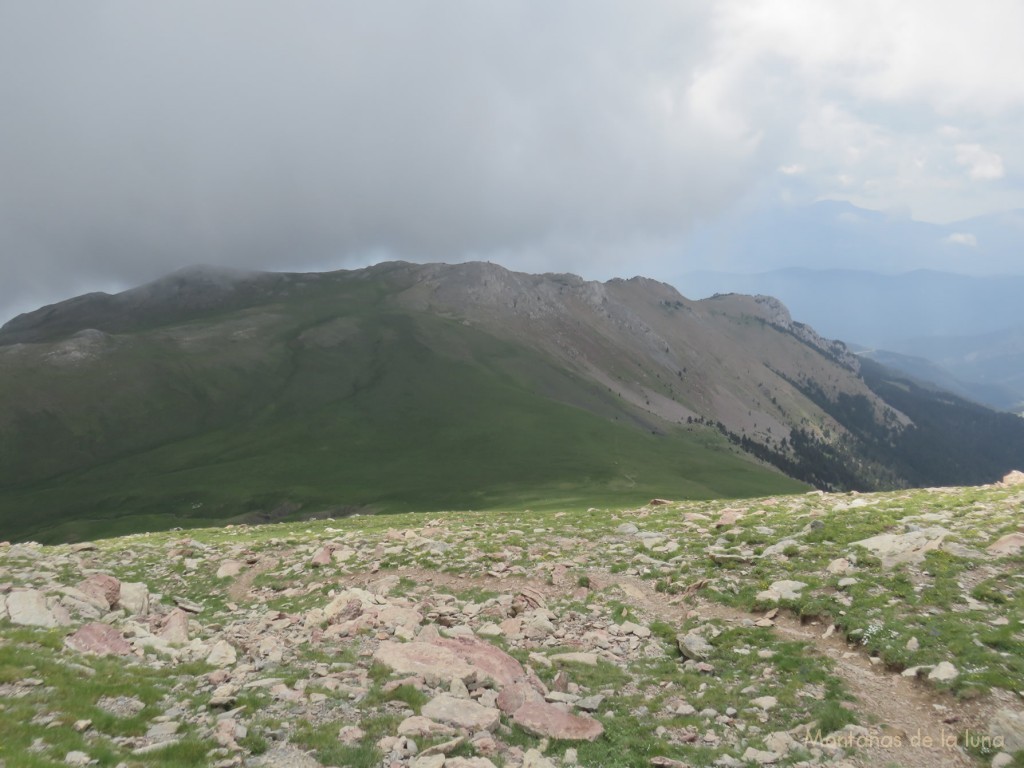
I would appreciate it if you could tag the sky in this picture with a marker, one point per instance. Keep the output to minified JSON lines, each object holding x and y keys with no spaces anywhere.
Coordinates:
{"x":589,"y":136}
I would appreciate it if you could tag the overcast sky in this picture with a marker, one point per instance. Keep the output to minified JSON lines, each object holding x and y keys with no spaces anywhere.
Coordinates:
{"x":588,"y":136}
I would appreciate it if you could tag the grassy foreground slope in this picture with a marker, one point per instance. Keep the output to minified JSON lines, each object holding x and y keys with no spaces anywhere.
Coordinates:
{"x":307,"y":407}
{"x":795,"y":631}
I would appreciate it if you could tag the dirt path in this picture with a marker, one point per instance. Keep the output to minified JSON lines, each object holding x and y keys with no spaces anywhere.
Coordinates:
{"x":906,"y":715}
{"x":900,"y":713}
{"x":238,"y":592}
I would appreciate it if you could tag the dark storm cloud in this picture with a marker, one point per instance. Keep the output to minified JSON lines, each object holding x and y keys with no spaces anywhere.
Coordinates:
{"x":140,"y":137}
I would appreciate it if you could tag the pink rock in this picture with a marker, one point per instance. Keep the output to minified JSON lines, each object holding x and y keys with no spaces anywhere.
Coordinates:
{"x":514,"y":696}
{"x":441,"y":659}
{"x":102,"y":587}
{"x":323,"y":557}
{"x":488,"y":660}
{"x":99,"y":639}
{"x":433,"y":662}
{"x":543,"y":719}
{"x":729,"y":517}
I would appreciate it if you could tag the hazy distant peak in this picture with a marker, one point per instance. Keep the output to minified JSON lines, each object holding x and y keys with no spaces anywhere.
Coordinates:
{"x":197,"y":275}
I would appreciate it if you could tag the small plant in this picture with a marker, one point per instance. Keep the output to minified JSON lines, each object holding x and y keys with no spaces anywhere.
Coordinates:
{"x":832,"y":716}
{"x":254,"y":742}
{"x":406,"y":694}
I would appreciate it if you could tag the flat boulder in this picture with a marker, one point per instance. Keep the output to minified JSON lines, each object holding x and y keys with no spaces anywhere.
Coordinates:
{"x":28,"y":607}
{"x":898,"y":548}
{"x":1008,"y":545}
{"x":229,"y":569}
{"x":433,"y":662}
{"x":399,"y":616}
{"x":98,"y":639}
{"x":462,"y":713}
{"x":786,"y":589}
{"x":543,"y":719}
{"x":728,"y":517}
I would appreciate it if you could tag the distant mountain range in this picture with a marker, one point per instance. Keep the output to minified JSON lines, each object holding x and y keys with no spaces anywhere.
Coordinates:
{"x":963,"y":333}
{"x":919,"y":290}
{"x":211,"y":396}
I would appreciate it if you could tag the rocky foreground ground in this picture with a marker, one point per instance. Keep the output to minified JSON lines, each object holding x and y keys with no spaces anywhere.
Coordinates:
{"x":839,"y":630}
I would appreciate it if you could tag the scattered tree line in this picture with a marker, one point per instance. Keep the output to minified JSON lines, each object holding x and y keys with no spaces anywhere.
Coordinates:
{"x":950,"y":441}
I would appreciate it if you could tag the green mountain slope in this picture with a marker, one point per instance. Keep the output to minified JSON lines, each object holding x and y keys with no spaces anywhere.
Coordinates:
{"x":328,"y":403}
{"x":208,"y":397}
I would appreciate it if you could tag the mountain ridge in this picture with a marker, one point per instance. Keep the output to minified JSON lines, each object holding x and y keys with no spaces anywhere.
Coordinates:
{"x":966,"y":325}
{"x":261,"y":395}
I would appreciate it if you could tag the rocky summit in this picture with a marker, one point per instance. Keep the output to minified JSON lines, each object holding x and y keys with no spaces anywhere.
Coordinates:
{"x":805,"y":630}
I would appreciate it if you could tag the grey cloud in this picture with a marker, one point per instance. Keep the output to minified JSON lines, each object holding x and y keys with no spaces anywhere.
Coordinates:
{"x":141,"y":137}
